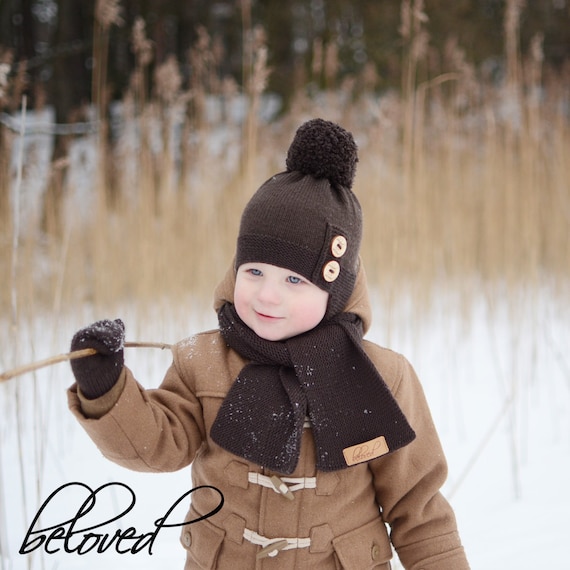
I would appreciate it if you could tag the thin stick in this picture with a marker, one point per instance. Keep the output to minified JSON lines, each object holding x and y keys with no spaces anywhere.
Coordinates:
{"x":478,"y":452}
{"x":71,"y":356}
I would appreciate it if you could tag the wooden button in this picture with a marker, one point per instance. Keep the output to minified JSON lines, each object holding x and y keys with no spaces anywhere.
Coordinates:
{"x":280,"y":487}
{"x":375,"y":552}
{"x":331,"y":271}
{"x":338,"y":246}
{"x":187,"y":538}
{"x":272,"y":549}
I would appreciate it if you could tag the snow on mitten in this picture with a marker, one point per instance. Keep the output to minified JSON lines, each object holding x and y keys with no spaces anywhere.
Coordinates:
{"x":98,"y":373}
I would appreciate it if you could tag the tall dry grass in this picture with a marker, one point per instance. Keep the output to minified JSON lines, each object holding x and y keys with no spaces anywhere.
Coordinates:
{"x":464,"y":183}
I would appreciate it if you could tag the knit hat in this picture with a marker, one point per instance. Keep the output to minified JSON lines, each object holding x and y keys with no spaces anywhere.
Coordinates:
{"x":307,"y":219}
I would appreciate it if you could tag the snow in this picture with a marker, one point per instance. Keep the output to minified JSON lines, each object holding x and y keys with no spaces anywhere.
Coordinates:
{"x":499,"y":389}
{"x":497,"y":378}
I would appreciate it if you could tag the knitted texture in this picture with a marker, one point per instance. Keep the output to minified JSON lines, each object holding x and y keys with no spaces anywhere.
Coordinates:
{"x":298,"y":218}
{"x":324,"y":150}
{"x":324,"y":374}
{"x":98,"y":373}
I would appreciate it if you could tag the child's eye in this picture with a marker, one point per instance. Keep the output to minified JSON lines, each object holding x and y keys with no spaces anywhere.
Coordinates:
{"x":254,"y":271}
{"x":294,"y":280}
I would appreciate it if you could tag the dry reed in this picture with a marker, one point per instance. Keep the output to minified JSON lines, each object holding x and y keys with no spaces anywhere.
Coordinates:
{"x":65,"y":357}
{"x":465,"y":196}
{"x":459,"y":183}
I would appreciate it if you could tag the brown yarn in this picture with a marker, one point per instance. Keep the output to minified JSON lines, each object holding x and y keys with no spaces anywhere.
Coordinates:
{"x":323,"y":374}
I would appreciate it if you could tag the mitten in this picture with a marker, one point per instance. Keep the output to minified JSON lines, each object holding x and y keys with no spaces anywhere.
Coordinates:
{"x":98,"y":373}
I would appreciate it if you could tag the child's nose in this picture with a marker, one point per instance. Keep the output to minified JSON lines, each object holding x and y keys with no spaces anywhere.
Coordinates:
{"x":269,"y":293}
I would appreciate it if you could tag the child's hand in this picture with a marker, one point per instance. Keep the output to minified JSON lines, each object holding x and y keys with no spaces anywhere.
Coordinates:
{"x":98,"y":373}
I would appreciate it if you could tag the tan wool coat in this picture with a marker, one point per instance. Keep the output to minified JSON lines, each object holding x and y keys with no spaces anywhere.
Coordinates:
{"x":347,"y":519}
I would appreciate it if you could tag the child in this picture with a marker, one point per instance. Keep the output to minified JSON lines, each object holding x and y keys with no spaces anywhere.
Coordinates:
{"x":317,"y":438}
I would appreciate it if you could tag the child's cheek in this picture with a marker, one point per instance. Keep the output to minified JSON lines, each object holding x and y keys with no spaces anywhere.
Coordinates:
{"x":242,"y":301}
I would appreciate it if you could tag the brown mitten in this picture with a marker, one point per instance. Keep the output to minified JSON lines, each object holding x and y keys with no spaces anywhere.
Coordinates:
{"x":98,"y":373}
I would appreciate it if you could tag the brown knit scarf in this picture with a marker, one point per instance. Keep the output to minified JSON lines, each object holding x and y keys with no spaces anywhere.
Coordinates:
{"x":324,"y":374}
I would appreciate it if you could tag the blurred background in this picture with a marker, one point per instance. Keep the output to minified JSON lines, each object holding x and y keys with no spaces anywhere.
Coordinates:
{"x":132,"y":133}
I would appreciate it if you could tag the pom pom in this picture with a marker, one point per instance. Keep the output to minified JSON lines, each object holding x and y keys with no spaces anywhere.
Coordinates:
{"x":324,"y":150}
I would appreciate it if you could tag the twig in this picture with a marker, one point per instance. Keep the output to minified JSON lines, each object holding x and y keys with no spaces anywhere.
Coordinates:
{"x":71,"y":356}
{"x":479,"y":451}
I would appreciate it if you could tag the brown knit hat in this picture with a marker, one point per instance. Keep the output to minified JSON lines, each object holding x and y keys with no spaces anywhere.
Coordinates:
{"x":307,"y":219}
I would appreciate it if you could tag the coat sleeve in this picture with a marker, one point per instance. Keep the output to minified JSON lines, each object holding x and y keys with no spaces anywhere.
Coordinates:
{"x":145,"y":430}
{"x":408,"y":481}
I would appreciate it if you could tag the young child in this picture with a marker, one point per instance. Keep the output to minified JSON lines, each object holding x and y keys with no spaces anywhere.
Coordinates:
{"x":317,"y":438}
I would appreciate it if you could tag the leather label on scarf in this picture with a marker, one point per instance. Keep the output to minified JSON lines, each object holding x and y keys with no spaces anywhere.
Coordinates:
{"x":365,"y":451}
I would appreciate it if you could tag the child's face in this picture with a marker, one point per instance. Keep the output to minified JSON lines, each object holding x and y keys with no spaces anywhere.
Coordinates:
{"x":277,"y":303}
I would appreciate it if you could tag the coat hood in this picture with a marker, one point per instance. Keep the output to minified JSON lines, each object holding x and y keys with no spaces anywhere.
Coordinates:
{"x":358,"y":302}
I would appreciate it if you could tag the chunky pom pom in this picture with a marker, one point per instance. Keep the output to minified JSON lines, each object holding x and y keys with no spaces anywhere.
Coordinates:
{"x":324,"y":150}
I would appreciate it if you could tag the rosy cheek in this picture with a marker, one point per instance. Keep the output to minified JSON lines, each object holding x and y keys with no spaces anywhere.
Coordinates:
{"x":239,"y":302}
{"x":309,"y":317}
{"x":239,"y":305}
{"x":318,"y":312}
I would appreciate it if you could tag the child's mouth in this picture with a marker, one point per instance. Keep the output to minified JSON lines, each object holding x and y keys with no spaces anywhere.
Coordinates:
{"x":266,"y":317}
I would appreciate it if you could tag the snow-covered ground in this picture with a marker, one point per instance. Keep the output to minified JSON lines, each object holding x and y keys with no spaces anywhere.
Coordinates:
{"x":497,"y":379}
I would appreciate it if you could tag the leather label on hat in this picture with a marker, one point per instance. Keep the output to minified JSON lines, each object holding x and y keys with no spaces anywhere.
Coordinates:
{"x":365,"y":451}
